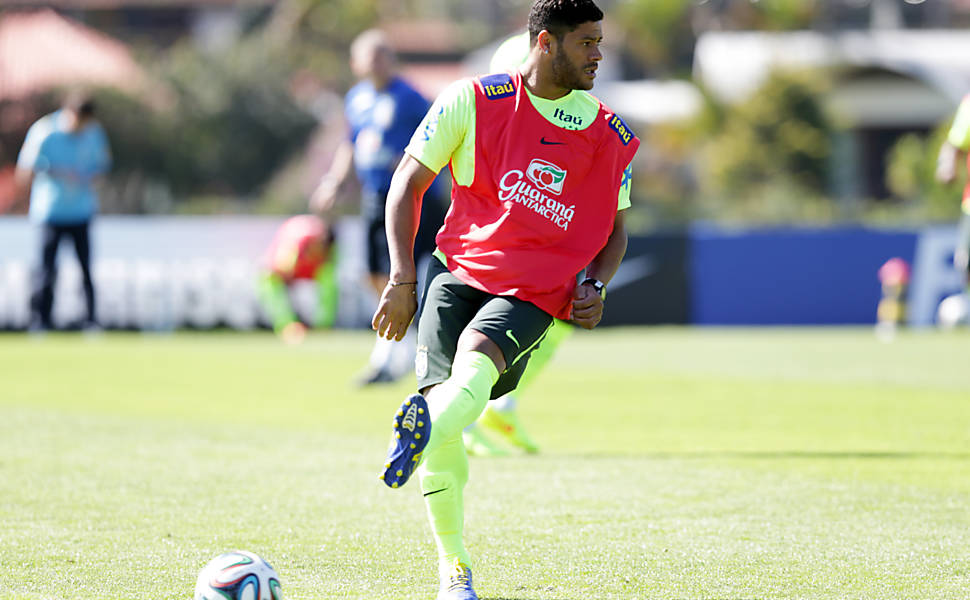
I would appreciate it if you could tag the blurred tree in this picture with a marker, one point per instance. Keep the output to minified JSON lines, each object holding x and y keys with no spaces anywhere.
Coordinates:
{"x":221,"y":123}
{"x":661,"y":34}
{"x":771,"y":149}
{"x":910,"y":176}
{"x":657,"y":33}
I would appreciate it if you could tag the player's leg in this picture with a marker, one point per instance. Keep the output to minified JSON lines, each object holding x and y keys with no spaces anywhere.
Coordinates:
{"x":82,"y":247}
{"x":327,"y":290}
{"x":378,"y":262}
{"x":42,"y":298}
{"x":489,"y":358}
{"x":274,"y":296}
{"x":961,"y":254}
{"x":501,"y":414}
{"x":447,"y":306}
{"x":514,"y":329}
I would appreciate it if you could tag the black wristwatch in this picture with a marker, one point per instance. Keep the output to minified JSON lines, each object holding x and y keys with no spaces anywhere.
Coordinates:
{"x":598,"y":285}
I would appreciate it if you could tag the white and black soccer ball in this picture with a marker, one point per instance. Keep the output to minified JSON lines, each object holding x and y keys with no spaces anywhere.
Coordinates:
{"x":953,"y":311}
{"x":238,"y":575}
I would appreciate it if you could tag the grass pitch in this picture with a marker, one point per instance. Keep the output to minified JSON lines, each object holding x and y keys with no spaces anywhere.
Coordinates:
{"x":676,"y":463}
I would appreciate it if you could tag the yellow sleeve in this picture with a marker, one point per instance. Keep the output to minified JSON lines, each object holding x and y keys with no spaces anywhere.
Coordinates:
{"x":626,"y":182}
{"x":447,"y":133}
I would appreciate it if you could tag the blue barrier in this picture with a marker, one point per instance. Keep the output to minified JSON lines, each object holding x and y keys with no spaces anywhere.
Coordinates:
{"x":789,"y":276}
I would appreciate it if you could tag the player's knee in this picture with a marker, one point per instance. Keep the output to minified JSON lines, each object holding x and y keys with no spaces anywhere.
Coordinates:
{"x":472,"y":340}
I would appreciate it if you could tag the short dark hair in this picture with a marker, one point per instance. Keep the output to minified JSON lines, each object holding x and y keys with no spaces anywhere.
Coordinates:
{"x":559,"y":17}
{"x":80,"y":103}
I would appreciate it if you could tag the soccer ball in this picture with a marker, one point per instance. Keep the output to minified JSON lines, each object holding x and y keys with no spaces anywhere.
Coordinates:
{"x":238,"y":575}
{"x":952,"y":311}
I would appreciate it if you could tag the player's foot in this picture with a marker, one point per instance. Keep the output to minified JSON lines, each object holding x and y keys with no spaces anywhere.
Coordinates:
{"x":375,"y":376}
{"x":479,"y":444}
{"x":507,"y":423}
{"x":457,"y":585}
{"x":293,"y":333}
{"x":412,"y":428}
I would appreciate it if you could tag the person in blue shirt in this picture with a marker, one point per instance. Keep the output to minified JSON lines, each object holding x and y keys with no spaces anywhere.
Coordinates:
{"x":382,"y":111}
{"x":63,"y":157}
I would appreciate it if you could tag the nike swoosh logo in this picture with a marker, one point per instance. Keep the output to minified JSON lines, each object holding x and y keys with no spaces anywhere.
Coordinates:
{"x":436,"y":491}
{"x":548,"y":143}
{"x":632,"y":270}
{"x":508,"y":332}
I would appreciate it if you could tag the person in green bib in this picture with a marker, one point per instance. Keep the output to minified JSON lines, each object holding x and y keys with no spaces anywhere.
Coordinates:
{"x":957,"y":145}
{"x":540,"y":181}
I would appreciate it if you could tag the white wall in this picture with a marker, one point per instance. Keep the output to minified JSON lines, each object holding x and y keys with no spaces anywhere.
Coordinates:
{"x":167,"y":272}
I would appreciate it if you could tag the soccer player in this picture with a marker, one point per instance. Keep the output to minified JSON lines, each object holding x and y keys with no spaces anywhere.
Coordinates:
{"x":301,"y":250}
{"x":382,"y":110}
{"x":958,"y":142}
{"x":540,"y":174}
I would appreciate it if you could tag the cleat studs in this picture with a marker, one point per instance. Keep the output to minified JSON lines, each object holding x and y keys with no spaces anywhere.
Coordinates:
{"x":420,"y":423}
{"x":413,"y":446}
{"x":399,"y":472}
{"x":417,"y":436}
{"x":407,"y":402}
{"x":420,"y":411}
{"x":387,"y":465}
{"x":381,"y":476}
{"x":396,"y":425}
{"x":400,"y":413}
{"x":398,"y":436}
{"x":394,"y":485}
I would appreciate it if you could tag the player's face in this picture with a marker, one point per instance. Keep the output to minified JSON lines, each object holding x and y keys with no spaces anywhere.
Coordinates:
{"x":374,"y":61}
{"x":577,"y":56}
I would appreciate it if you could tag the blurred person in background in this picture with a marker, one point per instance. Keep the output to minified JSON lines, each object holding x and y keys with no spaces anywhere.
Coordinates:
{"x":302,"y":249}
{"x":540,"y":172}
{"x":64,"y":156}
{"x":955,"y":147}
{"x":382,"y":111}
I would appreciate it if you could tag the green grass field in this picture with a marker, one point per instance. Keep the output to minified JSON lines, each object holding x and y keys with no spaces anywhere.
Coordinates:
{"x":676,"y":463}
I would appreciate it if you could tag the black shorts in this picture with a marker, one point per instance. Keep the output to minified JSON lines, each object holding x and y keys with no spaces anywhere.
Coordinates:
{"x":377,"y":256}
{"x":450,"y":306}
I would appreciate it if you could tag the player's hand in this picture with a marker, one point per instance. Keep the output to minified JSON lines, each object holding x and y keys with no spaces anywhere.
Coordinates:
{"x":587,"y":306}
{"x":325,"y":196}
{"x":395,"y":310}
{"x":945,"y":172}
{"x":293,"y":333}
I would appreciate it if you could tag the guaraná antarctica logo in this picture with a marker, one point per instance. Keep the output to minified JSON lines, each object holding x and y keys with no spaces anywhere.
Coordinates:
{"x":546,"y":175}
{"x":515,"y":186}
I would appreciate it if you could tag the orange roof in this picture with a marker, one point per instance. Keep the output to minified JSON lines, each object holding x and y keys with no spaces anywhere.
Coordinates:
{"x":43,"y":50}
{"x":432,"y":78}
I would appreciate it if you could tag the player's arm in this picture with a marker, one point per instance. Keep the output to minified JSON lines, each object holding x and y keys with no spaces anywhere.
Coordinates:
{"x":587,"y":303}
{"x":328,"y":190}
{"x":946,"y":162}
{"x":957,"y":142}
{"x":402,"y":212}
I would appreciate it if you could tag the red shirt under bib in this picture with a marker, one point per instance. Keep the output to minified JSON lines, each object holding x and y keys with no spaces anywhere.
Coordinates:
{"x":542,"y":202}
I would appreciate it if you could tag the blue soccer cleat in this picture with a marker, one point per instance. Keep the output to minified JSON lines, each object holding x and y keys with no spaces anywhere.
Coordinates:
{"x":412,"y":428}
{"x":457,"y":585}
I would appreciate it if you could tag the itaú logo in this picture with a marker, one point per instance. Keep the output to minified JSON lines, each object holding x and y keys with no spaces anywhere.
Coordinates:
{"x":546,"y":176}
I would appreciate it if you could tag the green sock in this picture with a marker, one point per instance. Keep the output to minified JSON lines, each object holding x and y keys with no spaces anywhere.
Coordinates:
{"x":443,"y":475}
{"x":274,"y":296}
{"x":458,"y":401}
{"x":452,"y":406}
